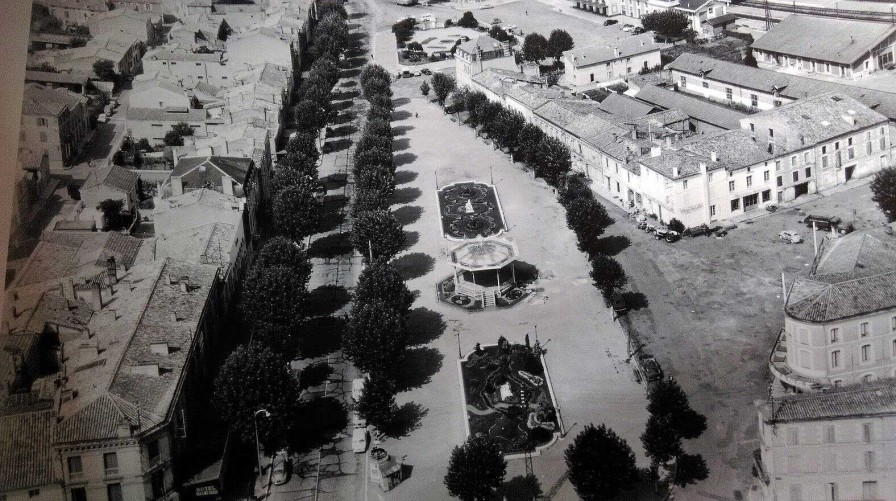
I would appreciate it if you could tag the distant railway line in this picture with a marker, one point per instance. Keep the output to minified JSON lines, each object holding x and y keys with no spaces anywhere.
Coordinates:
{"x":861,"y":15}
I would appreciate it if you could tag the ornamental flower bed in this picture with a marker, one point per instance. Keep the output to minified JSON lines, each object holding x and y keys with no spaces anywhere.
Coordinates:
{"x":507,"y":396}
{"x":470,"y":210}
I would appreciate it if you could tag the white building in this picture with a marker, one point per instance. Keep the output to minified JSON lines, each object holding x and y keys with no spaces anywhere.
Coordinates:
{"x":595,"y":66}
{"x":475,"y":56}
{"x":190,"y":68}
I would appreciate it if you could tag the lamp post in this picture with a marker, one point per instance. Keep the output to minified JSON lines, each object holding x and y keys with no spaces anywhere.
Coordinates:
{"x":257,"y":444}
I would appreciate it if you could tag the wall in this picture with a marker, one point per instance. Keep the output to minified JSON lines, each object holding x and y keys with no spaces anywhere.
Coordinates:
{"x":601,"y":74}
{"x":94,"y":478}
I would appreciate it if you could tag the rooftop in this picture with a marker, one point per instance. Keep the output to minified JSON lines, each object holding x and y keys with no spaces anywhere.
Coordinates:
{"x":626,"y":106}
{"x":198,"y":172}
{"x":27,"y":458}
{"x":723,"y":19}
{"x":484,"y":43}
{"x":696,"y":108}
{"x":845,"y":41}
{"x":93,"y":5}
{"x":44,"y":101}
{"x":875,"y":398}
{"x":112,"y":176}
{"x":171,"y":55}
{"x":733,"y":149}
{"x":165,"y":115}
{"x":64,"y":78}
{"x":618,"y":49}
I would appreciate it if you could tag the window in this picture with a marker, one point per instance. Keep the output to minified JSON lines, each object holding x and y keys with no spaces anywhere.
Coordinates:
{"x":866,"y":353}
{"x":153,"y":452}
{"x":158,"y":484}
{"x":780,"y":181}
{"x":806,"y":157}
{"x":765,"y":176}
{"x":869,"y":460}
{"x":777,"y":102}
{"x":869,"y":490}
{"x":735,"y":204}
{"x":43,"y":137}
{"x":752,"y":128}
{"x":592,"y":77}
{"x":41,"y":122}
{"x":829,"y":437}
{"x":712,"y":212}
{"x":705,"y":85}
{"x":777,"y":165}
{"x":793,"y":161}
{"x":728,"y":93}
{"x":78,"y":494}
{"x":110,"y":462}
{"x":808,"y":172}
{"x":796,"y":176}
{"x":684,"y":184}
{"x":837,"y":383}
{"x":824,"y":150}
{"x":893,"y":349}
{"x":835,"y":358}
{"x":824,"y":162}
{"x":749,"y":180}
{"x":730,"y":185}
{"x":709,"y":178}
{"x":684,"y":81}
{"x":754,"y":100}
{"x":835,"y":335}
{"x":766,"y":195}
{"x":75,"y":467}
{"x":33,"y":493}
{"x":863,"y":329}
{"x":892,"y":324}
{"x":793,"y":437}
{"x":113,"y":492}
{"x":771,"y":132}
{"x":867,"y":432}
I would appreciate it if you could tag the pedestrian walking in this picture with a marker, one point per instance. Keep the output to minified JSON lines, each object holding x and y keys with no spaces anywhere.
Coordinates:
{"x":416,"y":115}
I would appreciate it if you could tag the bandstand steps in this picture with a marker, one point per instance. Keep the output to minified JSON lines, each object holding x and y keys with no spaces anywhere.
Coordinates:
{"x":489,"y":300}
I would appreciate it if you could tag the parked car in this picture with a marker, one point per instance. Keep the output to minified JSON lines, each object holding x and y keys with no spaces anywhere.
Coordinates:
{"x":651,"y":368}
{"x":359,"y":440}
{"x":418,"y":73}
{"x":426,"y":71}
{"x":664,"y":233}
{"x":357,"y":388}
{"x":790,"y":237}
{"x":496,"y":21}
{"x":282,"y":468}
{"x":618,"y":303}
{"x":627,"y":27}
{"x":696,"y":231}
{"x":638,"y":30}
{"x":823,"y":223}
{"x":406,"y":74}
{"x":610,"y":22}
{"x":102,"y":118}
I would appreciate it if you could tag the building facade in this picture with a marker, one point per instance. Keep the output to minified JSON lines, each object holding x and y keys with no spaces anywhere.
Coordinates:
{"x":475,"y":56}
{"x":190,"y":68}
{"x":54,"y":124}
{"x":590,"y":67}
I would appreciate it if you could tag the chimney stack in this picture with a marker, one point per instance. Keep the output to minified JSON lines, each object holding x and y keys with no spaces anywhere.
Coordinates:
{"x":112,"y":270}
{"x":675,"y":172}
{"x":655,"y":151}
{"x":96,"y":296}
{"x":713,"y":156}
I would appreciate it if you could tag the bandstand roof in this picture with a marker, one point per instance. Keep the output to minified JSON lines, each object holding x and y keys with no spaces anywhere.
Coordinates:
{"x":483,"y":254}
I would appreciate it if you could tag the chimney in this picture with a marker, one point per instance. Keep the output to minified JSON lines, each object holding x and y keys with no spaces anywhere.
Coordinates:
{"x":96,"y":297}
{"x":227,"y":185}
{"x":616,"y":51}
{"x":655,"y":151}
{"x":112,"y":270}
{"x":177,"y":186}
{"x":713,"y":156}
{"x":851,"y":120}
{"x":68,"y":289}
{"x":675,"y":172}
{"x":668,"y":141}
{"x":159,"y":348}
{"x":184,"y":286}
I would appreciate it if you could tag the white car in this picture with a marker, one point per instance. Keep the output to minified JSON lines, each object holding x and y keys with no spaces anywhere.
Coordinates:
{"x":358,"y":421}
{"x":628,"y":27}
{"x":357,"y":388}
{"x":282,"y":468}
{"x":102,"y":118}
{"x":790,"y":237}
{"x":359,"y":440}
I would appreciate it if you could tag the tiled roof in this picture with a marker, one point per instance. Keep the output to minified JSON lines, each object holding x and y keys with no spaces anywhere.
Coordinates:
{"x":875,"y":398}
{"x":190,"y":171}
{"x":845,"y":41}
{"x":66,"y":254}
{"x":47,"y":76}
{"x":94,"y":5}
{"x":161,"y":115}
{"x":789,"y":86}
{"x":484,"y":43}
{"x":107,"y":417}
{"x":723,"y":19}
{"x":855,"y":275}
{"x":628,"y":107}
{"x":44,"y":101}
{"x":734,"y":149}
{"x":617,"y":49}
{"x":55,"y":308}
{"x":698,"y":109}
{"x":691,"y":4}
{"x":26,"y":452}
{"x":168,"y":55}
{"x":112,"y":176}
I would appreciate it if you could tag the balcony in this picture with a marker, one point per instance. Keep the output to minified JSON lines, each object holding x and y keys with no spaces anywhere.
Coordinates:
{"x":779,"y":367}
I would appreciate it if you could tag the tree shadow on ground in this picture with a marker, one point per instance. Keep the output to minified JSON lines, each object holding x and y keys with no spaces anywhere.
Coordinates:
{"x":403,"y":158}
{"x":413,"y":265}
{"x":401,"y":130}
{"x":400,"y":101}
{"x":349,"y":84}
{"x":357,"y":15}
{"x":357,"y":37}
{"x":354,"y":62}
{"x":408,"y":214}
{"x":525,"y":273}
{"x":398,"y":116}
{"x":401,"y":144}
{"x":330,"y":220}
{"x":335,"y":201}
{"x":343,"y":118}
{"x":406,"y":419}
{"x":417,"y":368}
{"x":635,"y":300}
{"x":314,"y":375}
{"x":346,"y":94}
{"x":316,"y":423}
{"x":331,"y":246}
{"x":342,"y":105}
{"x":405,"y":195}
{"x":353,"y":26}
{"x":410,"y":239}
{"x":405,"y":176}
{"x":321,"y":336}
{"x":334,"y":181}
{"x":612,"y":245}
{"x":521,"y":488}
{"x":338,"y":145}
{"x":341,"y":130}
{"x":326,"y":300}
{"x":424,"y":326}
{"x":352,"y":73}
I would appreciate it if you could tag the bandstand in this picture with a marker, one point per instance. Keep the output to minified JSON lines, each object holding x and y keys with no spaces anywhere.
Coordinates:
{"x":484,"y":271}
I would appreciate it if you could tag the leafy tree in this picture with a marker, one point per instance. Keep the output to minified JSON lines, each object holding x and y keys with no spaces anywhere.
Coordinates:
{"x":370,"y":200}
{"x":535,"y":47}
{"x":467,"y":21}
{"x":377,"y":178}
{"x":552,"y":160}
{"x":79,"y":29}
{"x":588,"y":218}
{"x":689,"y":469}
{"x":310,"y":116}
{"x":530,"y":137}
{"x":404,"y":29}
{"x":280,"y":251}
{"x":883,"y":192}
{"x":373,"y":71}
{"x":476,"y":469}
{"x":252,"y":378}
{"x":666,"y":398}
{"x":78,"y":42}
{"x":600,"y":463}
{"x":660,"y":443}
{"x":301,"y":154}
{"x":377,"y":403}
{"x":114,"y":217}
{"x":175,"y":136}
{"x":559,"y":42}
{"x":274,"y":297}
{"x":501,"y":35}
{"x":424,"y":88}
{"x":607,"y":274}
{"x":374,"y":142}
{"x":670,"y":23}
{"x":330,"y":35}
{"x":284,"y":178}
{"x":380,"y":128}
{"x":380,"y":281}
{"x":297,"y":211}
{"x":104,"y":69}
{"x":749,"y":58}
{"x":378,"y":231}
{"x":675,"y":225}
{"x":443,"y":85}
{"x":414,"y":47}
{"x":378,"y":156}
{"x":375,"y":338}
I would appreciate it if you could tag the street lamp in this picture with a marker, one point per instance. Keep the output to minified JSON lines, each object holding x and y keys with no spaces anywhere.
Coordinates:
{"x":257,"y":444}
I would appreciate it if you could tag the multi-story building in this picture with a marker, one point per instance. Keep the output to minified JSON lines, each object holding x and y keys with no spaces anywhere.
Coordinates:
{"x":189,"y":68}
{"x":76,"y":11}
{"x":145,"y":26}
{"x":590,"y":67}
{"x":850,"y":48}
{"x":698,"y":12}
{"x":109,"y":183}
{"x":840,"y":318}
{"x":123,"y":49}
{"x":836,"y":445}
{"x":154,"y":123}
{"x":474,"y":56}
{"x":54,"y":124}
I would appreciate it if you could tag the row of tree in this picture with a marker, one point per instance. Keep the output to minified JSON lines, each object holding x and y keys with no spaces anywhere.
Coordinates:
{"x":537,"y":47}
{"x":375,"y":339}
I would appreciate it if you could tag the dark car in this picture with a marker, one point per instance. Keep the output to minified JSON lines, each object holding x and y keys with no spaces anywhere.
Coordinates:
{"x":638,"y":30}
{"x":651,"y":368}
{"x":823,"y":223}
{"x":610,"y":22}
{"x":618,"y":302}
{"x":426,"y":71}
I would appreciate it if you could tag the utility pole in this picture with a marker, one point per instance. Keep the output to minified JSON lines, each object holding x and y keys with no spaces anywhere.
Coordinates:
{"x":768,"y":17}
{"x":370,"y":250}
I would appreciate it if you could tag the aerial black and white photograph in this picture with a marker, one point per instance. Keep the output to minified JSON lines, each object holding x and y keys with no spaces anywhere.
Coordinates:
{"x":427,"y":250}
